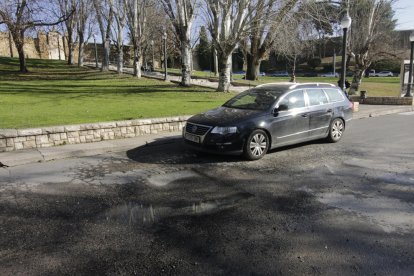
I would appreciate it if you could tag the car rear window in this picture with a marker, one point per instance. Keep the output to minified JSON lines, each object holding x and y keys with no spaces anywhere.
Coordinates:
{"x":316,"y":97}
{"x":334,"y":95}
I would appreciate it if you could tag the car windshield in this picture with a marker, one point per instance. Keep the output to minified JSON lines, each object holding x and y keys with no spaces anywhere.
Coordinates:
{"x":255,"y":99}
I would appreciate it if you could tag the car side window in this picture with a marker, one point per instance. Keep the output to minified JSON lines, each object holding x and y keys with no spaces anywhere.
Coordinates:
{"x":316,"y":97}
{"x":334,"y":95}
{"x":293,"y":100}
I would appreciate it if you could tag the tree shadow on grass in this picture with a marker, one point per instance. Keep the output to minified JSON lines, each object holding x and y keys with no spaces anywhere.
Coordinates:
{"x":91,"y":90}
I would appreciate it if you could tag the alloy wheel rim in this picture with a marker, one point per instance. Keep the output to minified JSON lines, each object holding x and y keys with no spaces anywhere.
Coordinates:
{"x":337,"y":129}
{"x":258,"y":144}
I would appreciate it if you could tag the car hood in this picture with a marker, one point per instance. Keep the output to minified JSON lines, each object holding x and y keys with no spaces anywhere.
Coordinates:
{"x":224,"y":116}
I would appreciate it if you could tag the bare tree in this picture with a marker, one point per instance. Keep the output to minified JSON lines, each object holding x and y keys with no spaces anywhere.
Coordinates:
{"x":21,"y":15}
{"x":269,"y":15}
{"x":105,"y":16}
{"x":119,"y":7}
{"x":370,"y":35}
{"x":294,"y":38}
{"x":181,"y":14}
{"x":84,"y":26}
{"x":137,"y":24}
{"x":228,"y":22}
{"x":66,"y":6}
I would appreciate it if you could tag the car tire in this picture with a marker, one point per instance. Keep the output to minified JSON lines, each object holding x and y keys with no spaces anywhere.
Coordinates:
{"x":336,"y":130}
{"x":256,"y":145}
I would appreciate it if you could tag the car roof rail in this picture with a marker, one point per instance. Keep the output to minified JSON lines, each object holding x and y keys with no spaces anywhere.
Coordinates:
{"x":313,"y":84}
{"x":290,"y":85}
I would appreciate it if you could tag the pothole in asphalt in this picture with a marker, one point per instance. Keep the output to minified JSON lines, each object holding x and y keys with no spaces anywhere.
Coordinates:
{"x":133,"y":213}
{"x":167,"y":178}
{"x":392,"y":215}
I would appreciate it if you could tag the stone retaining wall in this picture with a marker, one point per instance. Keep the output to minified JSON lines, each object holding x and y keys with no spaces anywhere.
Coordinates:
{"x":17,"y":139}
{"x":384,"y":100}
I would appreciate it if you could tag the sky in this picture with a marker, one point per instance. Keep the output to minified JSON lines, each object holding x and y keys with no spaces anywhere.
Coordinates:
{"x":404,"y":13}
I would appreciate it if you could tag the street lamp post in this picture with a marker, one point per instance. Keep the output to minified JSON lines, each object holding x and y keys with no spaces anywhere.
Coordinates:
{"x":96,"y":52}
{"x":164,"y":37}
{"x":410,"y":70}
{"x":345,"y":24}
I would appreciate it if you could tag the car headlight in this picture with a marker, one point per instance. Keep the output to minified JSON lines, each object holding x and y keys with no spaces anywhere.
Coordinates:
{"x":224,"y":130}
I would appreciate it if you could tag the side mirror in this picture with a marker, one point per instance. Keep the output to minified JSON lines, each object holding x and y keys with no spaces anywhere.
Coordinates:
{"x":280,"y":108}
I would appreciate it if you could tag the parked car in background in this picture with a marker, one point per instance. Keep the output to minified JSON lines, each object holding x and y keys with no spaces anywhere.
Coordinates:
{"x":270,"y":116}
{"x":336,"y":75}
{"x":239,"y":73}
{"x":310,"y":74}
{"x":280,"y":74}
{"x":372,"y":73}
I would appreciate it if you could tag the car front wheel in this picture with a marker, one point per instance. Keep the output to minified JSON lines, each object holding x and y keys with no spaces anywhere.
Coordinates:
{"x":256,"y":145}
{"x":336,"y":130}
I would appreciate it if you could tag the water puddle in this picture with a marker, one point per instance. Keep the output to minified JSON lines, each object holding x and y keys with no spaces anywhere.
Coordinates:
{"x":133,"y":213}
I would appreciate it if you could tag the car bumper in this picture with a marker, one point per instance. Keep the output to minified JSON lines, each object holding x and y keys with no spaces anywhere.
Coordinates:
{"x":215,"y":143}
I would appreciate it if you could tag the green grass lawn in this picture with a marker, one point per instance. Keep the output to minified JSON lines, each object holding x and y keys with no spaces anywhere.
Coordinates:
{"x":376,"y":86}
{"x":54,"y":93}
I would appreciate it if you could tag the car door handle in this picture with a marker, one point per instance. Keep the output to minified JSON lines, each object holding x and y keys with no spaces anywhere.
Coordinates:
{"x":304,"y":115}
{"x":329,"y":111}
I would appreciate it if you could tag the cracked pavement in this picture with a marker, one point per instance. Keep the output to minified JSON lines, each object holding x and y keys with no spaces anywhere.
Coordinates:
{"x":315,"y":208}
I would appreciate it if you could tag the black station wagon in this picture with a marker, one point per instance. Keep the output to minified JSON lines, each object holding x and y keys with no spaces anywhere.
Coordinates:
{"x":270,"y":116}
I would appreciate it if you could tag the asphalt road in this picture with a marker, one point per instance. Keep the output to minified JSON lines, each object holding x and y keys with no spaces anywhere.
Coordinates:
{"x":316,"y":208}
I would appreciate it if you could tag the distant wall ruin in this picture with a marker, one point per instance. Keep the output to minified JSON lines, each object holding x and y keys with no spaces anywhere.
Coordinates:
{"x":49,"y":45}
{"x":53,"y":45}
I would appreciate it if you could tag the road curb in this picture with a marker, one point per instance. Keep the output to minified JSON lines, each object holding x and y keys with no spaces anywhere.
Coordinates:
{"x":376,"y":113}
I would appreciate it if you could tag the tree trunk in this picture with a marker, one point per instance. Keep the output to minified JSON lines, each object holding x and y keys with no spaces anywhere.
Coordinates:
{"x":293,"y":75}
{"x":356,"y":81}
{"x":18,"y":38}
{"x":81,"y":49}
{"x":137,"y":62}
{"x":81,"y":53}
{"x":185,"y":64}
{"x":70,"y":48}
{"x":253,"y":67}
{"x":11,"y":45}
{"x":215,"y":62}
{"x":224,"y":64}
{"x":120,"y":65}
{"x":22,"y":59}
{"x":105,"y":62}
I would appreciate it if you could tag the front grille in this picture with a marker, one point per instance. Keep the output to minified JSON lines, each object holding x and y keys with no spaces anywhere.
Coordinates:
{"x":196,"y":129}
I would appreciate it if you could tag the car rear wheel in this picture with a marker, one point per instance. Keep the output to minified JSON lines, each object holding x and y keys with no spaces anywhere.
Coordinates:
{"x":336,"y":129}
{"x":256,"y":145}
